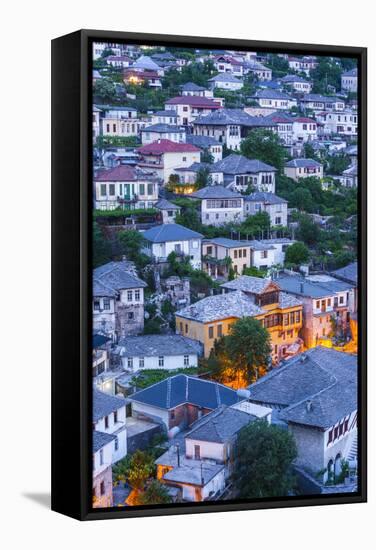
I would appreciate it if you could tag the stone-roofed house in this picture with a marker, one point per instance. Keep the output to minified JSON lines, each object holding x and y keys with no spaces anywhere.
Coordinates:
{"x":154,"y":132}
{"x":262,"y":299}
{"x":109,"y":418}
{"x":326,"y":302}
{"x":296,"y":83}
{"x":172,"y":237}
{"x":315,"y":394}
{"x":303,"y":168}
{"x":164,"y":117}
{"x":180,"y":400}
{"x":192,"y":89}
{"x":207,"y":144}
{"x":275,"y":206}
{"x":273,"y":99}
{"x":103,"y":444}
{"x":238,"y":173}
{"x":256,"y":68}
{"x":229,"y":126}
{"x":118,"y":300}
{"x":349,"y":177}
{"x":349,"y":81}
{"x":225,"y":81}
{"x":158,"y":351}
{"x":168,"y":210}
{"x":219,"y":205}
{"x":217,"y":253}
{"x":318,"y":103}
{"x":188,"y":107}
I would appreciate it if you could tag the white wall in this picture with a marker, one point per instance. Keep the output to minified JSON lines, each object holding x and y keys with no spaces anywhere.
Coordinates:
{"x":171,"y":362}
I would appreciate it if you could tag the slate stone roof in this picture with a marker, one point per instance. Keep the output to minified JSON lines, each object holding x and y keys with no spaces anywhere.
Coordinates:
{"x":216,"y":192}
{"x":238,"y":164}
{"x":225,"y":77}
{"x":268,"y":198}
{"x":166,"y":112}
{"x":163,"y":128}
{"x":99,"y":340}
{"x":109,"y":278}
{"x":145,"y":62}
{"x":317,"y":388}
{"x":302,"y":286}
{"x":348,"y":273}
{"x":202,"y":141}
{"x":220,"y":425}
{"x":247,"y":283}
{"x":170,"y":232}
{"x":271,"y":94}
{"x":320,"y":98}
{"x":164,"y":204}
{"x":227,"y":243}
{"x":194,"y":101}
{"x":104,"y":404}
{"x":193,"y":472}
{"x":192,"y":87}
{"x":154,"y":345}
{"x":180,"y":389}
{"x":224,"y":117}
{"x":303,"y":163}
{"x":221,"y":306}
{"x":351,"y":171}
{"x":351,"y":72}
{"x":100,"y":439}
{"x":293,"y":78}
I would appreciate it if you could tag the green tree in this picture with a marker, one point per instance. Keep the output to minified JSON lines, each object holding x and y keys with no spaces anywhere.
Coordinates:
{"x":155,"y":493}
{"x":264,"y":145}
{"x":202,"y":178}
{"x":326,"y":74}
{"x":308,"y":231}
{"x":301,"y":199}
{"x":104,"y":90}
{"x":248,"y":346}
{"x":297,"y":254}
{"x":140,"y":468}
{"x":263,"y":458}
{"x":101,"y":247}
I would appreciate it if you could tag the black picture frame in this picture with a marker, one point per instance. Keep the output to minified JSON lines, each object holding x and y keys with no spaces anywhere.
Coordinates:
{"x":71,"y":273}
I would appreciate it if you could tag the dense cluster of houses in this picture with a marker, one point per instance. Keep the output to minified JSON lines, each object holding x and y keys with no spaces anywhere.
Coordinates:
{"x":310,"y":388}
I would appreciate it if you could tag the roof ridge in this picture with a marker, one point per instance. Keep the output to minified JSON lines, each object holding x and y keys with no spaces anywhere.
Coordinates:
{"x":168,"y":395}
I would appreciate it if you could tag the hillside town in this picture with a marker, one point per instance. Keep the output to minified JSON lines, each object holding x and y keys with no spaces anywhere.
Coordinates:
{"x":225,"y":293}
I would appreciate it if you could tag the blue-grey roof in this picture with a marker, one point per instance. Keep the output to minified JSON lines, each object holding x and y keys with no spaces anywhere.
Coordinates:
{"x":224,"y":117}
{"x":108,"y":279}
{"x":227,"y":243}
{"x":351,"y":72}
{"x":100,"y":439}
{"x":270,"y":84}
{"x":104,"y":404}
{"x":99,"y":340}
{"x":317,"y":388}
{"x":301,"y":286}
{"x":260,"y":196}
{"x":348,"y":273}
{"x":192,"y":87}
{"x":215,"y":192}
{"x":320,"y":98}
{"x":271,"y":94}
{"x":220,"y":426}
{"x":180,"y":389}
{"x":163,"y":128}
{"x":238,"y":164}
{"x":154,"y":345}
{"x":164,"y":204}
{"x":225,"y":77}
{"x":167,"y":112}
{"x":115,"y":108}
{"x":303,"y":163}
{"x":170,"y":232}
{"x":293,"y":78}
{"x":202,"y":141}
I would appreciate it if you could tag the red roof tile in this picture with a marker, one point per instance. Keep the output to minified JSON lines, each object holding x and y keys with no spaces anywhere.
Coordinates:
{"x":166,"y":146}
{"x":120,"y":173}
{"x":304,"y":119}
{"x":194,"y":101}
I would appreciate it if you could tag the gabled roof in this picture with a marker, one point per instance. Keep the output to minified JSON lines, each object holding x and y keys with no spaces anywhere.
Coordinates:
{"x":192,"y":87}
{"x":220,"y":426}
{"x":180,"y":389}
{"x":119,"y":173}
{"x":268,"y":198}
{"x":271,"y":94}
{"x":318,"y":387}
{"x":154,"y":345}
{"x":303,"y":163}
{"x":101,"y":439}
{"x":170,"y":232}
{"x":247,"y":283}
{"x":351,"y":72}
{"x":104,"y":404}
{"x":221,"y":306}
{"x":293,"y":78}
{"x":145,"y":62}
{"x":348,"y":273}
{"x":194,"y":101}
{"x":225,"y":77}
{"x":203,"y":142}
{"x":167,"y":146}
{"x":301,"y":286}
{"x":227,"y":243}
{"x":166,"y":112}
{"x":163,"y":128}
{"x":320,"y":98}
{"x":99,"y":340}
{"x":224,"y":117}
{"x":164,"y":204}
{"x":112,"y":277}
{"x":215,"y":192}
{"x":238,"y":164}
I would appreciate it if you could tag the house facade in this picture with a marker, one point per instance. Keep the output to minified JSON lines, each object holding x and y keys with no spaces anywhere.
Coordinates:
{"x":273,"y":99}
{"x":303,"y":168}
{"x":219,"y":205}
{"x":275,"y":206}
{"x":219,"y":255}
{"x":188,"y":108}
{"x":156,"y":132}
{"x":342,"y":123}
{"x":349,"y":81}
{"x":166,"y":238}
{"x":102,"y":471}
{"x":226,"y":81}
{"x":109,"y":417}
{"x":120,"y":121}
{"x":239,"y":173}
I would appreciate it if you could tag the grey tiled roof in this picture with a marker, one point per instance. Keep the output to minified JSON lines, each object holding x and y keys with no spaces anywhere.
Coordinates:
{"x":202,"y":141}
{"x":293,"y":78}
{"x":348,"y":273}
{"x":170,"y":232}
{"x":247,"y":283}
{"x":303,"y":163}
{"x":163,"y":128}
{"x":108,"y":279}
{"x":180,"y":389}
{"x":104,"y":404}
{"x":313,"y":289}
{"x":164,"y":204}
{"x":271,"y":94}
{"x":152,"y":345}
{"x":216,"y":192}
{"x":194,"y":472}
{"x":192,"y":87}
{"x":100,"y":439}
{"x":220,"y":425}
{"x":351,"y":72}
{"x":166,"y":112}
{"x":325,"y":377}
{"x":221,"y":306}
{"x":223,"y":117}
{"x":225,"y":77}
{"x":227,"y":243}
{"x":238,"y":164}
{"x":269,"y":198}
{"x":320,"y":98}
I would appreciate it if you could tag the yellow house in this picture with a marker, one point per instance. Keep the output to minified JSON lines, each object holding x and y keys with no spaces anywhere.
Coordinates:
{"x":262,"y":299}
{"x":218,"y":252}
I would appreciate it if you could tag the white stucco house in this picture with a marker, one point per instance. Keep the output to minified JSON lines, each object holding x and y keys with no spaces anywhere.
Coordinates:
{"x":172,"y":237}
{"x":219,"y":205}
{"x":225,"y":81}
{"x":303,"y":168}
{"x":155,"y":132}
{"x":275,"y":206}
{"x":349,"y":81}
{"x":188,"y":108}
{"x":102,"y":451}
{"x":273,"y":99}
{"x":109,"y":417}
{"x":238,"y":173}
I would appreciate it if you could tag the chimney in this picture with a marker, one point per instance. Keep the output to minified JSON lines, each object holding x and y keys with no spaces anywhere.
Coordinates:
{"x":309,"y":405}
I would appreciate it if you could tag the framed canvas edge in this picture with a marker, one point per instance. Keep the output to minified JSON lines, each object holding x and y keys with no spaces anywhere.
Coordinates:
{"x":84,"y":422}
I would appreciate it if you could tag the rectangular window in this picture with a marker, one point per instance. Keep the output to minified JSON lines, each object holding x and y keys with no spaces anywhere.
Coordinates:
{"x":129,"y":295}
{"x":186,"y":329}
{"x":116,"y":442}
{"x":150,"y":189}
{"x":186,"y":360}
{"x":142,"y":189}
{"x":103,"y":190}
{"x":137,"y":295}
{"x":111,"y":191}
{"x":115,"y":417}
{"x":211,"y":332}
{"x":197,"y":452}
{"x":102,"y":488}
{"x":219,"y":331}
{"x":101,"y":460}
{"x":106,"y":303}
{"x":130,"y":363}
{"x":97,"y":305}
{"x":106,"y":422}
{"x":130,"y":315}
{"x":141,"y":362}
{"x":161,"y":361}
